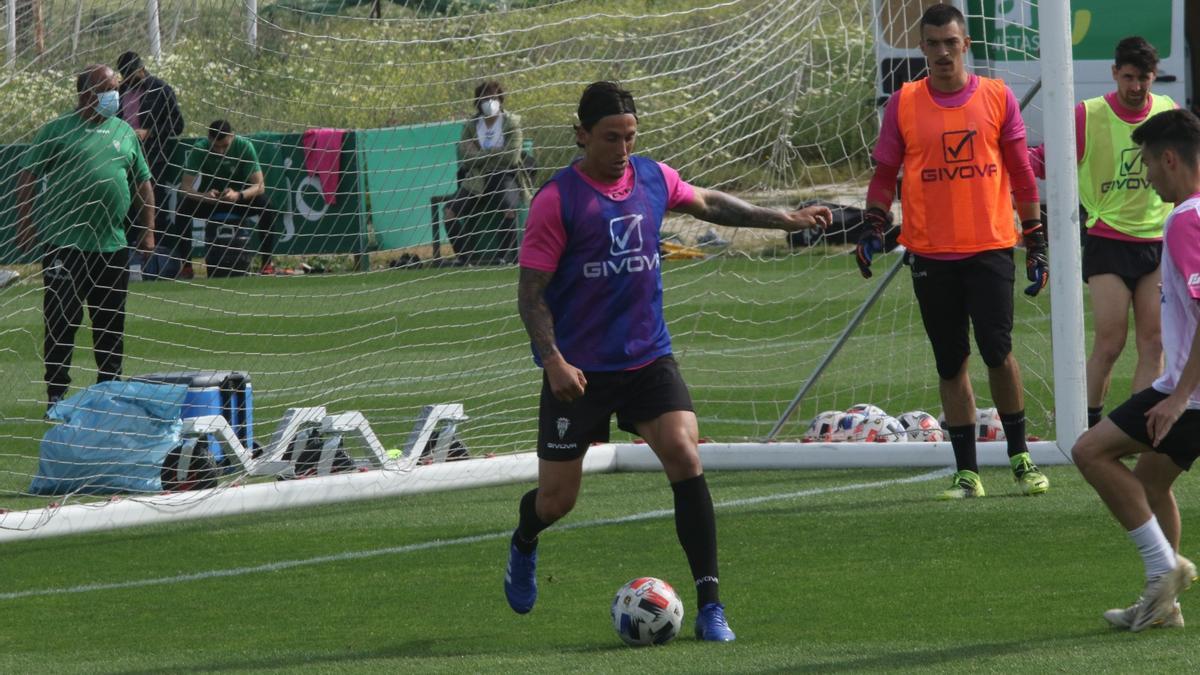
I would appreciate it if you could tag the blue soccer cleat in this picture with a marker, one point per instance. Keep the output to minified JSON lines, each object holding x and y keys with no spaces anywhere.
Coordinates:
{"x":711,"y":624}
{"x":520,"y":579}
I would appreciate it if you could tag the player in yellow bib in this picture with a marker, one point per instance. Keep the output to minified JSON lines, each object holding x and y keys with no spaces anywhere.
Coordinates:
{"x":1123,"y":246}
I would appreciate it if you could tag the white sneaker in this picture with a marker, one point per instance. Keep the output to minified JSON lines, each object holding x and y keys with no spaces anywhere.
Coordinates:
{"x":1123,"y":618}
{"x":1158,"y":600}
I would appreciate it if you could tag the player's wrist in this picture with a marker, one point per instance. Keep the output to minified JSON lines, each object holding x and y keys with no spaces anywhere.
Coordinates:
{"x":877,"y":219}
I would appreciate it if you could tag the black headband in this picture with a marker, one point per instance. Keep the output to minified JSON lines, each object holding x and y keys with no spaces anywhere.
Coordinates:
{"x":619,"y":105}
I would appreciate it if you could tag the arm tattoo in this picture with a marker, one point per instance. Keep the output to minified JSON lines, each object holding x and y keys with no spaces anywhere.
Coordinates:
{"x":531,"y":303}
{"x":724,"y":209}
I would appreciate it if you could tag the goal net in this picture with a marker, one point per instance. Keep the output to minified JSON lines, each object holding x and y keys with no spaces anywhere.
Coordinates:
{"x":389,"y":294}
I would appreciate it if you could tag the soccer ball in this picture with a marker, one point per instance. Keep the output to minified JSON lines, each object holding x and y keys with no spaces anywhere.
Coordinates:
{"x":865,"y":409}
{"x":647,"y":611}
{"x":922,"y":427}
{"x":850,"y":427}
{"x":822,"y":426}
{"x":987,"y":422}
{"x":883,"y":429}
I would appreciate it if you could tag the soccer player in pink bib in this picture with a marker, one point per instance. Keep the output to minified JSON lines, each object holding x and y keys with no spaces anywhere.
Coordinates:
{"x":1160,"y":424}
{"x":590,"y":295}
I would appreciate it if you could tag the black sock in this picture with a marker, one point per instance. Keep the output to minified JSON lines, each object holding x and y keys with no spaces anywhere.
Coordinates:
{"x":697,"y":530}
{"x":1095,"y":415}
{"x":1014,"y":432}
{"x":525,"y":537}
{"x":962,"y":439}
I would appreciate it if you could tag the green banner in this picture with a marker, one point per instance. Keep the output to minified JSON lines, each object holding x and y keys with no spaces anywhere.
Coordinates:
{"x":1005,"y":30}
{"x":405,"y":168}
{"x":305,"y":222}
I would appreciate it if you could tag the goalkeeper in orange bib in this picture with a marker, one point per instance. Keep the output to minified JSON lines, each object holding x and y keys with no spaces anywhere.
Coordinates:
{"x":961,"y":142}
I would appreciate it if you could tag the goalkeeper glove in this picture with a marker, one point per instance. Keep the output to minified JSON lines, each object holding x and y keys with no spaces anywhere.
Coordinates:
{"x":871,"y":242}
{"x":1037,"y":270}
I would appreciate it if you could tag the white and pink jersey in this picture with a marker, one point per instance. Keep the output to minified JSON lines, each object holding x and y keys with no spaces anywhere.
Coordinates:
{"x":1180,"y":293}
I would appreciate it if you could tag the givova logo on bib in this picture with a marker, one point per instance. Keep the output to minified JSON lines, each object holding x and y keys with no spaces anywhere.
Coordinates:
{"x":1130,"y":173}
{"x":626,"y":234}
{"x":958,"y":154}
{"x":625,"y":245}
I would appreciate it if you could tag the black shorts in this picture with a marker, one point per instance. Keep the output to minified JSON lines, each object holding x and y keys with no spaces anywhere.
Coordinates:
{"x":956,"y":294}
{"x":565,"y":430}
{"x":1182,"y":443}
{"x":1130,"y":260}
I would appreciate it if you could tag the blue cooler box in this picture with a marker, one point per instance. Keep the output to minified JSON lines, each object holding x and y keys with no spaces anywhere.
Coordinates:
{"x":215,"y":392}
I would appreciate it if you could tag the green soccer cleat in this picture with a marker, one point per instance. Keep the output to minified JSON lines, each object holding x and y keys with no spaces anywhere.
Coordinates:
{"x":1027,"y":476}
{"x":966,"y":484}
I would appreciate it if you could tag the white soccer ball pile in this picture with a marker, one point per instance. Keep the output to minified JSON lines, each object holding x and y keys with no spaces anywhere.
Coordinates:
{"x":861,"y":423}
{"x":647,"y":611}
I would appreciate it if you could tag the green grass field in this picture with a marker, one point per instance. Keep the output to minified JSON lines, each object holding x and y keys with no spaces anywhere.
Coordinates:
{"x":870,"y":578}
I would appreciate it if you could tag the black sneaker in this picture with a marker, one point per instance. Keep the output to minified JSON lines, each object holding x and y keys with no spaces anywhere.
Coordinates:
{"x":50,"y":403}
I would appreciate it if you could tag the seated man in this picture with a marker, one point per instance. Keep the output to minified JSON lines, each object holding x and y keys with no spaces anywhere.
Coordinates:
{"x":222,"y":175}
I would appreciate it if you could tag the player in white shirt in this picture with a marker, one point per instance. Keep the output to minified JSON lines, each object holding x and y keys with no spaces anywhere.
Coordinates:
{"x":1161,"y":424}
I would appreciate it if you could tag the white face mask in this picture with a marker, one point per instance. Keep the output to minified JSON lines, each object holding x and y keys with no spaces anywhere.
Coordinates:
{"x":490,"y":107}
{"x":108,"y":103}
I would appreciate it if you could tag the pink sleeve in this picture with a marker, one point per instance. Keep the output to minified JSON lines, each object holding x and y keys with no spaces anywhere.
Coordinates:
{"x":1183,"y":240}
{"x":882,"y":189}
{"x":679,"y":191}
{"x":1013,"y":126}
{"x":1037,"y":161}
{"x":545,"y":238}
{"x":889,"y":149}
{"x":1020,"y":174}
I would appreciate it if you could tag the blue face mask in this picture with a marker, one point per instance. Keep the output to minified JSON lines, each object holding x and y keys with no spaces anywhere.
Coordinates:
{"x":108,"y":103}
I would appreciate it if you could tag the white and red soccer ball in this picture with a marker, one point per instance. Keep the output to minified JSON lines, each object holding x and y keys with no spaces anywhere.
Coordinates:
{"x":647,"y":611}
{"x":883,"y":429}
{"x":921,"y":427}
{"x":820,"y":430}
{"x":865,"y":409}
{"x":988,"y":426}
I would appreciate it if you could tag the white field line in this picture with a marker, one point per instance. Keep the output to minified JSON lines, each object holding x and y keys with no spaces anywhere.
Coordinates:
{"x":441,"y":543}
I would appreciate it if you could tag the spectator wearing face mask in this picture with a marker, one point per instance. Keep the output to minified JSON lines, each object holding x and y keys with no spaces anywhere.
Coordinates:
{"x":77,"y":181}
{"x":492,"y":183}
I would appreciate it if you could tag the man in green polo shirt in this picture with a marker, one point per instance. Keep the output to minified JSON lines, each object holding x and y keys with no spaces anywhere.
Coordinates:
{"x":221,"y":175}
{"x":86,"y":160}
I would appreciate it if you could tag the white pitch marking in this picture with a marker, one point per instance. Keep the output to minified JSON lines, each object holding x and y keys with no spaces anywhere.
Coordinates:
{"x":439,"y":543}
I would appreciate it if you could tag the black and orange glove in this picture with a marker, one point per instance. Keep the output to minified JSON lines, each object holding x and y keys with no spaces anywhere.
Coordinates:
{"x":1037,"y":269}
{"x":870,"y":243}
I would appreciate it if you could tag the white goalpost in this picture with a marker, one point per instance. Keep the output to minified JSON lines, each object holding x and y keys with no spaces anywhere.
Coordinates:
{"x":389,"y":360}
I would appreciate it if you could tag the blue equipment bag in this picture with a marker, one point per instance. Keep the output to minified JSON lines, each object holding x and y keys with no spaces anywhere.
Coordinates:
{"x":114,"y":437}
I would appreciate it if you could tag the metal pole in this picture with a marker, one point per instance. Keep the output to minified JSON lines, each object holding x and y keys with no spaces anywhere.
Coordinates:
{"x":10,"y":15}
{"x":1066,"y":291}
{"x":252,"y":23}
{"x":836,"y":347}
{"x":1028,"y":97}
{"x":152,"y":30}
{"x":76,"y":27}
